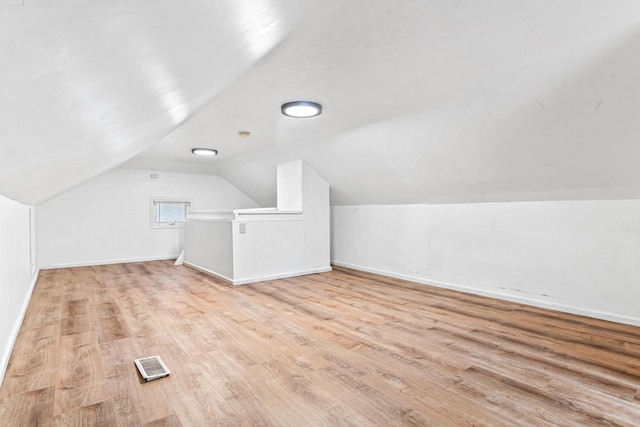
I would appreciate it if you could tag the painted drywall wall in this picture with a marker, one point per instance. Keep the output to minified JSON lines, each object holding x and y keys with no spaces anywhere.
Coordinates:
{"x":574,"y":256}
{"x":317,"y":219}
{"x":107,"y":219}
{"x":269,"y":249}
{"x":17,"y":272}
{"x":290,"y":240}
{"x":210,"y":245}
{"x":288,"y":248}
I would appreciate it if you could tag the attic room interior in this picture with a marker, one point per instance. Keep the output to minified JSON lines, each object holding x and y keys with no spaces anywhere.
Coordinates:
{"x":451,"y":239}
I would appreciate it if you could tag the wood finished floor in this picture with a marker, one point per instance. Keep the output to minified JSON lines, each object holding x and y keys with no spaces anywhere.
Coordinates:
{"x":339,"y":348}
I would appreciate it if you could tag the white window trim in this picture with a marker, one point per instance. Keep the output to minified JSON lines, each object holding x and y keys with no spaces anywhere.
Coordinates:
{"x":158,"y":200}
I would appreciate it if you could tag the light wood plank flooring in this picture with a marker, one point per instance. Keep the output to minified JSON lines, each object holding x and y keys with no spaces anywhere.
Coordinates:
{"x":343,"y":348}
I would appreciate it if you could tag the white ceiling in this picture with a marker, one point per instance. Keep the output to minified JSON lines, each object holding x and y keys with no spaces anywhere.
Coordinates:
{"x":424,"y":101}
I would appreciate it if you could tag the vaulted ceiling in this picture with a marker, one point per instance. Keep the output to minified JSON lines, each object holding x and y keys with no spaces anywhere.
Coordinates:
{"x":424,"y":101}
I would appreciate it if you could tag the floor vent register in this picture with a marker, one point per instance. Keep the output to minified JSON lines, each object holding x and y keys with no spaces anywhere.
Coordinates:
{"x":152,"y":368}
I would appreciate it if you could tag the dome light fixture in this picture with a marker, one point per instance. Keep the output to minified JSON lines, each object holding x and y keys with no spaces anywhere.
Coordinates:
{"x":204,"y":151}
{"x":301,"y":109}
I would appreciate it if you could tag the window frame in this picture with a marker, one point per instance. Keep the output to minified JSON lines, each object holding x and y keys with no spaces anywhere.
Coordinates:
{"x":157,"y":201}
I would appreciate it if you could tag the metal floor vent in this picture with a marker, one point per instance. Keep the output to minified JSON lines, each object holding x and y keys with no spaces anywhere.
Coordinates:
{"x":152,"y":368}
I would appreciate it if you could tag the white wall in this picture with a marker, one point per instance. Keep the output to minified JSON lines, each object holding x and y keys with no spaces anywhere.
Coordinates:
{"x":287,"y":241}
{"x":317,"y":219}
{"x":17,"y":273}
{"x":288,"y":248}
{"x":577,"y":256}
{"x":107,"y":219}
{"x":269,"y":250}
{"x":209,"y":244}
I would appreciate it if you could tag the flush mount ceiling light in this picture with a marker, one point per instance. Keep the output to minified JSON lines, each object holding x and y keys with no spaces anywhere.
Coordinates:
{"x":301,"y":109}
{"x":204,"y":151}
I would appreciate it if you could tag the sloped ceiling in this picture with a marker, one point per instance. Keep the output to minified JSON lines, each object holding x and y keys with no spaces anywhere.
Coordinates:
{"x":424,"y":101}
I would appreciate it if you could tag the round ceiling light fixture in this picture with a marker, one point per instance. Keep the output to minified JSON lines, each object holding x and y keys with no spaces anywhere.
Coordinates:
{"x":301,"y":109}
{"x":204,"y":151}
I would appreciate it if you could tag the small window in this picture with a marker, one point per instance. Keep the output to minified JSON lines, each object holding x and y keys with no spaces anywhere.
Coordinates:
{"x":169,"y":213}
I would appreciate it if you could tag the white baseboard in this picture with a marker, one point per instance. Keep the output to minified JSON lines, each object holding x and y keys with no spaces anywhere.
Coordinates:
{"x":107,"y":262}
{"x":4,"y":360}
{"x":255,"y":279}
{"x":209,"y":272}
{"x":635,"y":321}
{"x":281,"y":275}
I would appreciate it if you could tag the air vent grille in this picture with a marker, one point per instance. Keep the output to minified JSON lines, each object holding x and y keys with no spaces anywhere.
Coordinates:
{"x":152,"y":368}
